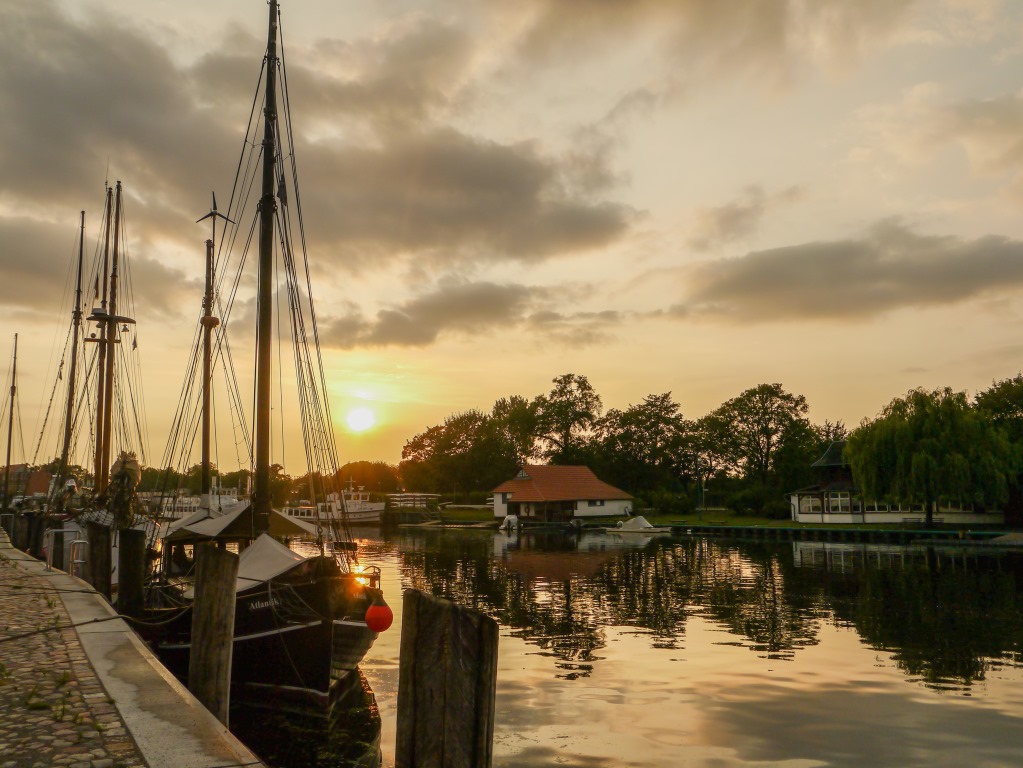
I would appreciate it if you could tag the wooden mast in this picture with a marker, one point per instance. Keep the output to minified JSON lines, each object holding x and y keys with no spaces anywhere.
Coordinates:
{"x":264,"y":325}
{"x":10,"y":425}
{"x":209,"y":322}
{"x":76,"y":325}
{"x":100,"y":317}
{"x":110,"y":341}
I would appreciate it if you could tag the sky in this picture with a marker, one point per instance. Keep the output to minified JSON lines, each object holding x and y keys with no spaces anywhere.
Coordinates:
{"x":684,"y":196}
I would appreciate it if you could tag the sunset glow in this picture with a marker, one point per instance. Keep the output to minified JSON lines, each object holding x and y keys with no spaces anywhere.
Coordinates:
{"x":684,"y":197}
{"x":360,"y":419}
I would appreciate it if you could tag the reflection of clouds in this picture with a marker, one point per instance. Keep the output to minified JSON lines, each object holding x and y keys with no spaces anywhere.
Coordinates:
{"x":848,"y":725}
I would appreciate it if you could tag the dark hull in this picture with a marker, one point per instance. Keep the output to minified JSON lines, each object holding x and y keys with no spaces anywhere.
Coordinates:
{"x":296,"y":638}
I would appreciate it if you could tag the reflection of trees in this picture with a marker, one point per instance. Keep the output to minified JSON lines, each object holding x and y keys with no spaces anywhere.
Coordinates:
{"x":655,"y":589}
{"x":947,"y":620}
{"x":743,"y":589}
{"x":559,"y":617}
{"x":751,"y":596}
{"x":943,"y":620}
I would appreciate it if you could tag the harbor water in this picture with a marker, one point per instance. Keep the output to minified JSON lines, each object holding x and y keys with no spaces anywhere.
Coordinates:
{"x":633,"y":650}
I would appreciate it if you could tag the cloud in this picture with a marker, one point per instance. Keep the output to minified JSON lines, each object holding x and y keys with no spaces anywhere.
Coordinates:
{"x":459,"y":307}
{"x":383,"y":178}
{"x":889,"y":268}
{"x":452,"y":197}
{"x":580,"y":329}
{"x":912,"y":129}
{"x":37,"y":265}
{"x":740,"y":218}
{"x":772,"y":40}
{"x":453,"y":306}
{"x":414,"y":71}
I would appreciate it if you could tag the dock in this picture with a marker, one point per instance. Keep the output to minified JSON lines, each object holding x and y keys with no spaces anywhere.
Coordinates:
{"x":907,"y":535}
{"x":78,"y":688}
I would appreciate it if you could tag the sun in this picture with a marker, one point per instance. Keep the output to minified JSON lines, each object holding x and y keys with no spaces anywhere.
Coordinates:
{"x":360,"y":419}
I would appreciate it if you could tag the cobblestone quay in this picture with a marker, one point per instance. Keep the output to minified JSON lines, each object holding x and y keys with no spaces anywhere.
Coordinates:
{"x":58,"y":709}
{"x":53,"y":708}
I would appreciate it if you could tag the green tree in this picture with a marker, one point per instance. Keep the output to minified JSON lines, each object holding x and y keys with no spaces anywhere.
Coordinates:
{"x":238,"y":480}
{"x":929,"y":447}
{"x":469,"y":452}
{"x":645,"y":446}
{"x":752,"y":427}
{"x":281,"y":485}
{"x":1002,"y":403}
{"x":566,"y":417}
{"x":801,"y":445}
{"x":419,"y":467}
{"x":516,"y":418}
{"x":374,"y":476}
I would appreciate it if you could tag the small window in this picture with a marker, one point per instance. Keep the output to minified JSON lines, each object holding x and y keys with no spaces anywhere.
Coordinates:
{"x":595,"y":502}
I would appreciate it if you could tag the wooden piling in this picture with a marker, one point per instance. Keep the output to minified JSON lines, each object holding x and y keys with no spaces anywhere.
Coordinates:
{"x":447,"y":681}
{"x":36,"y":529}
{"x":19,"y":532}
{"x":57,"y":545}
{"x":209,"y":665}
{"x":99,"y":565}
{"x":131,"y":572}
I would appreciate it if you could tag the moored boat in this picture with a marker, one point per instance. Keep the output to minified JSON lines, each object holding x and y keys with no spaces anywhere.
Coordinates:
{"x":304,"y":618}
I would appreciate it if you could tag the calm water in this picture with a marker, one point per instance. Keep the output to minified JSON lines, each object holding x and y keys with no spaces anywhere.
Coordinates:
{"x":630,"y":651}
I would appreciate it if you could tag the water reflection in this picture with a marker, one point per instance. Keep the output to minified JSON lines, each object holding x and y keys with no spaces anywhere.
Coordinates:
{"x":947,"y":617}
{"x":347,"y":735}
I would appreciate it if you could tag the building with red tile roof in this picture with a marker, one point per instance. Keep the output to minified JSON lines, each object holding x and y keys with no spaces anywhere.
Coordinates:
{"x":558,"y":493}
{"x":24,"y":481}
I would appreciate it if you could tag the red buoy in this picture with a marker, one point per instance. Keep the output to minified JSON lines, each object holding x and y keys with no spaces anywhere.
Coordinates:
{"x":379,"y":616}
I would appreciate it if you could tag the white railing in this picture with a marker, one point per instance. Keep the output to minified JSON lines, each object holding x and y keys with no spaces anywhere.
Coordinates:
{"x":48,"y":543}
{"x":77,"y":556}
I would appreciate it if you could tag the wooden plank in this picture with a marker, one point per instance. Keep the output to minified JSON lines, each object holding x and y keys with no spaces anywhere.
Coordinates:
{"x":447,"y":683}
{"x":209,"y":664}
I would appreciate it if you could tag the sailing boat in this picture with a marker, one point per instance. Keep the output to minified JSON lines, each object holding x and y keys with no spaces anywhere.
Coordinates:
{"x":302,"y":621}
{"x":102,"y":402}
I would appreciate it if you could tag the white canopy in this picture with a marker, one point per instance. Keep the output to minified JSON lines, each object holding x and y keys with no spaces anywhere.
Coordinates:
{"x":637,"y":523}
{"x":261,"y":561}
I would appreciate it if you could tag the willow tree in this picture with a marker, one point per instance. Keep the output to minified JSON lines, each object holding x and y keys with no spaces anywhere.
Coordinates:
{"x":929,"y":447}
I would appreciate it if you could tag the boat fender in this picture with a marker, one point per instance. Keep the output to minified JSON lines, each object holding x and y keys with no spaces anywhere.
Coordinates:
{"x":379,"y":615}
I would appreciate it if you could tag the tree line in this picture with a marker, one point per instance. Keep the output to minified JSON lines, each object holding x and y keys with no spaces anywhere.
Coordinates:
{"x":745,"y":453}
{"x":925,"y":448}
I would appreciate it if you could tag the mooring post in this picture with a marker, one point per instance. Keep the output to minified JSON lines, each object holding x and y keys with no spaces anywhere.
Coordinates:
{"x":36,"y":529}
{"x":447,"y":681}
{"x":131,"y":572}
{"x":99,"y":569}
{"x":19,"y":536}
{"x":209,"y":665}
{"x":57,"y":549}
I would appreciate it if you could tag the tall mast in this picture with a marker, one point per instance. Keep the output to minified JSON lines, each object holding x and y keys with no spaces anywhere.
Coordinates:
{"x":209,"y":322}
{"x":99,"y":315}
{"x":264,"y":325}
{"x":76,"y":324}
{"x":10,"y":425}
{"x":111,"y":340}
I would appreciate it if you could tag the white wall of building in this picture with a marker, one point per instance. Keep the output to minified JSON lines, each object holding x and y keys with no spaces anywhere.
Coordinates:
{"x":582,"y":508}
{"x":603,"y":508}
{"x":840,"y":512}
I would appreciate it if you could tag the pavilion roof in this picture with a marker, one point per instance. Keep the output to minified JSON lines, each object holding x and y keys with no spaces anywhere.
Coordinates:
{"x":538,"y":483}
